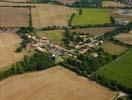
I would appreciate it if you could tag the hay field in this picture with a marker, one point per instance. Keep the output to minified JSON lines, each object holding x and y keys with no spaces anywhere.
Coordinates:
{"x":125,"y":37}
{"x":66,"y":1}
{"x":44,"y":15}
{"x":14,"y":17}
{"x":94,"y":31}
{"x":113,"y":48}
{"x":13,"y":0}
{"x":8,"y":44}
{"x":56,"y":83}
{"x":113,"y":4}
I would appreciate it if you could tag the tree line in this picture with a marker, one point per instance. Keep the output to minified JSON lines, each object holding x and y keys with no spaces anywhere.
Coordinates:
{"x":36,"y":62}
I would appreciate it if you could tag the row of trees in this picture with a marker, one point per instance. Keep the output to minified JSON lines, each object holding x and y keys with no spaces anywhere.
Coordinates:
{"x":119,"y":30}
{"x":36,"y":62}
{"x":111,"y":84}
{"x":87,"y":3}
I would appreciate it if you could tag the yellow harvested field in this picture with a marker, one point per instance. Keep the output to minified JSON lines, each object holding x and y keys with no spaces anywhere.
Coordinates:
{"x":56,"y":83}
{"x":44,"y":15}
{"x":66,"y":1}
{"x":14,"y":17}
{"x":113,"y":4}
{"x":94,"y":31}
{"x":14,"y":0}
{"x":125,"y":37}
{"x":8,"y":44}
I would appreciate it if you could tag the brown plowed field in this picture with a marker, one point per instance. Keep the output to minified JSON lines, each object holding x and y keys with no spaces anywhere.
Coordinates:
{"x":14,"y":0}
{"x":125,"y":37}
{"x":56,"y":83}
{"x":94,"y":31}
{"x":14,"y":17}
{"x":44,"y":15}
{"x":113,"y":4}
{"x":8,"y":44}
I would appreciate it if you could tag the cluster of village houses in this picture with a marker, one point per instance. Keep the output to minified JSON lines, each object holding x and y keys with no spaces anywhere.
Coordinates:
{"x":44,"y":45}
{"x":88,"y":42}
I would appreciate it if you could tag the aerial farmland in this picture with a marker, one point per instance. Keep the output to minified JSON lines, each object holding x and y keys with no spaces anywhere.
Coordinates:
{"x":65,"y":50}
{"x":53,"y":15}
{"x":14,"y":17}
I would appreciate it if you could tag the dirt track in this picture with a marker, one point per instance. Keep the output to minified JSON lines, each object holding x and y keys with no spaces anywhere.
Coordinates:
{"x":56,"y":83}
{"x":8,"y":44}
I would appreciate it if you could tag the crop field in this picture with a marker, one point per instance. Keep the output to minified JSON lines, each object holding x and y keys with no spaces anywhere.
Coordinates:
{"x":56,"y":83}
{"x":14,"y":0}
{"x":55,"y":36}
{"x":14,"y":17}
{"x":113,"y":4}
{"x":49,"y":15}
{"x":113,"y":48}
{"x":66,"y":1}
{"x":91,"y":16}
{"x":125,"y":38}
{"x":94,"y":31}
{"x":8,"y":44}
{"x":119,"y":71}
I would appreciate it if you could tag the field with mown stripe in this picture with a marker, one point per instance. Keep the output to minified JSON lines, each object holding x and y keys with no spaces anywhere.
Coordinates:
{"x":119,"y":71}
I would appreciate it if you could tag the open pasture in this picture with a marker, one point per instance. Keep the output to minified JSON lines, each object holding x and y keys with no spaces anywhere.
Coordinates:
{"x":113,"y":48}
{"x":119,"y":71}
{"x":14,"y":17}
{"x":91,"y":16}
{"x":56,"y":36}
{"x":8,"y":44}
{"x":49,"y":15}
{"x":94,"y":31}
{"x":56,"y":83}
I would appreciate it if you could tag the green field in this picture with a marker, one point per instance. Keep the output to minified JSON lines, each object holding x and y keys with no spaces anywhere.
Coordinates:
{"x":55,"y":36}
{"x":91,"y":16}
{"x":119,"y":71}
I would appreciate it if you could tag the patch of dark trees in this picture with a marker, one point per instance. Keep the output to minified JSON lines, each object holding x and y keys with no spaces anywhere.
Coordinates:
{"x":116,"y":31}
{"x":86,"y":65}
{"x":22,"y":32}
{"x":87,"y":3}
{"x":36,"y":62}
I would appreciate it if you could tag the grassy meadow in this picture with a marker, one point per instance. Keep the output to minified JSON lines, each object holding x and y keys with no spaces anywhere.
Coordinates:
{"x":91,"y":16}
{"x":56,"y":36}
